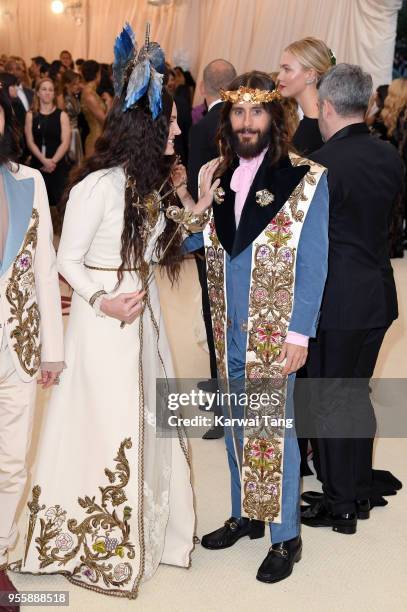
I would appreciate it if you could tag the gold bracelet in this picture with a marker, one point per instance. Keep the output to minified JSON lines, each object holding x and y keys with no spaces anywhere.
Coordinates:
{"x":191,"y":221}
{"x":95,"y":296}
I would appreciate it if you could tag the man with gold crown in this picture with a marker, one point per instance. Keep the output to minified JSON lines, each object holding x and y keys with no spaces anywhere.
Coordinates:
{"x":266,"y":246}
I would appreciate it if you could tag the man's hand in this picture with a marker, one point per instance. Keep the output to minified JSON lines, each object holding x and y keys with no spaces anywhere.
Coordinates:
{"x":124,"y":307}
{"x":48,"y":379}
{"x":295,"y":356}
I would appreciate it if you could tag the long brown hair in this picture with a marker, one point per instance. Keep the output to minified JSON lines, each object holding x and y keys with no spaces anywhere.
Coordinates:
{"x":134,"y":141}
{"x":279,"y":138}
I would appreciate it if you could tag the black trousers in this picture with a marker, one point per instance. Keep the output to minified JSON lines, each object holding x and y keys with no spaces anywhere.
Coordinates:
{"x":342,"y":412}
{"x":206,"y":311}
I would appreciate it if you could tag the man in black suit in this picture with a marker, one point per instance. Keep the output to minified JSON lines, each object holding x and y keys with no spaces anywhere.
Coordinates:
{"x":25,"y":94}
{"x":365,"y":178}
{"x":202,"y":136}
{"x":202,"y":148}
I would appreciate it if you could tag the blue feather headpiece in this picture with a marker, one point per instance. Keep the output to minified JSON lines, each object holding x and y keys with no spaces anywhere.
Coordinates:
{"x":145,"y":70}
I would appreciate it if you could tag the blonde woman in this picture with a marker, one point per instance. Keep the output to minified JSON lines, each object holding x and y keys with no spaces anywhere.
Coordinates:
{"x":48,"y":137}
{"x":394,"y":104}
{"x":290,"y":109}
{"x":69,"y":101}
{"x":303,"y":63}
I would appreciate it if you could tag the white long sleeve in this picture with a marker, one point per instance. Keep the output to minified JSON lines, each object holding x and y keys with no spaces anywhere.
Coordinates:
{"x":85,"y":211}
{"x":46,"y":282}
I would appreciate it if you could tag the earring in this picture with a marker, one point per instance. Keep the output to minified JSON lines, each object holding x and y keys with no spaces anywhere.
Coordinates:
{"x":310,"y":82}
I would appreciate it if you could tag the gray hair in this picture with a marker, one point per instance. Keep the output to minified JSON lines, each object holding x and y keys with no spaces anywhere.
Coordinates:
{"x":348,"y":88}
{"x":217,"y":75}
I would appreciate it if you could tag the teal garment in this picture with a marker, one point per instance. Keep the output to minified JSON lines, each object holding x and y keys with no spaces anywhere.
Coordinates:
{"x":20,"y":198}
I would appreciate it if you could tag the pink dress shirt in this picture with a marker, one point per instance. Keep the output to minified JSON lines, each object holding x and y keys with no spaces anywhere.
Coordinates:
{"x":240,"y":183}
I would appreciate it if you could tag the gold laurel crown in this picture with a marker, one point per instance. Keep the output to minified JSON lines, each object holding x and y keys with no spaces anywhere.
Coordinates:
{"x":248,"y":94}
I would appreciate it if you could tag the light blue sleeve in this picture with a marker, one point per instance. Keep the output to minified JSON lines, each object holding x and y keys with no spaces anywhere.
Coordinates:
{"x":312,"y":264}
{"x":193,"y":242}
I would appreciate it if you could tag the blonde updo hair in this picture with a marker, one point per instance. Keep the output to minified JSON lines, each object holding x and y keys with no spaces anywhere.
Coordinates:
{"x":395,"y":102}
{"x":312,"y":53}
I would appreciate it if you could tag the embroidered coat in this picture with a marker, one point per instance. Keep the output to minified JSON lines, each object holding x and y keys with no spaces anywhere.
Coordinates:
{"x":30,"y":303}
{"x":265,"y":278}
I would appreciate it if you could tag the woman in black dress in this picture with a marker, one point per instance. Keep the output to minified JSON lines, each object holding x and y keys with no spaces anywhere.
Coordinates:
{"x":48,"y":135}
{"x":302,"y":64}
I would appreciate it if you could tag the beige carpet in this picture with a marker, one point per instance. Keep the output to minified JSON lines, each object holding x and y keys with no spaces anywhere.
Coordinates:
{"x":362,"y":573}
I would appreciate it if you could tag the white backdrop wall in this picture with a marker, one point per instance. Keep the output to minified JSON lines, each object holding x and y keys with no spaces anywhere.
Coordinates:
{"x":249,"y":33}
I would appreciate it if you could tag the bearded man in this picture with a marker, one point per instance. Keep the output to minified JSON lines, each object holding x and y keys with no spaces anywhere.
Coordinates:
{"x":266,"y":246}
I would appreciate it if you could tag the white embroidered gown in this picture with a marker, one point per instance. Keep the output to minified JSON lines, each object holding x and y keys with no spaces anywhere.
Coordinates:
{"x":110,"y":499}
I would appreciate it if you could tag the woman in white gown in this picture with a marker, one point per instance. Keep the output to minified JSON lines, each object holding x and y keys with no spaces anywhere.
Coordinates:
{"x":110,"y":499}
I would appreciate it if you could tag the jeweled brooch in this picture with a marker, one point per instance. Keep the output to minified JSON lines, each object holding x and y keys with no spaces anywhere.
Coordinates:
{"x":264,"y":197}
{"x":219,"y":195}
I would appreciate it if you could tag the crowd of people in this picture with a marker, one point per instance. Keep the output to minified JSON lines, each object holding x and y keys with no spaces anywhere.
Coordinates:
{"x":288,"y":198}
{"x":46,"y":95}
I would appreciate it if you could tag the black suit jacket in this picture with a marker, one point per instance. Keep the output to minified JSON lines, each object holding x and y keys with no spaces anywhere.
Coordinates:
{"x":202,"y":146}
{"x":365,"y":178}
{"x":29,"y":95}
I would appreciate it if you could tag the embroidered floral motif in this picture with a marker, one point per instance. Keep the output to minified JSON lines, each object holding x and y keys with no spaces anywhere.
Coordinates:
{"x":64,"y":541}
{"x":262,"y":483}
{"x":100,"y":537}
{"x":25,"y":321}
{"x":215,"y":257}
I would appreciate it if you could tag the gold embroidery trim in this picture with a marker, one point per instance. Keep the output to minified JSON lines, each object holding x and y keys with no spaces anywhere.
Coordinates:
{"x":25,"y":322}
{"x":100,"y":537}
{"x":215,"y":262}
{"x":109,"y":269}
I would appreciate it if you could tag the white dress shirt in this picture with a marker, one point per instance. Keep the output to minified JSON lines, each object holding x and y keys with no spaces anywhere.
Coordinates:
{"x":23,"y":97}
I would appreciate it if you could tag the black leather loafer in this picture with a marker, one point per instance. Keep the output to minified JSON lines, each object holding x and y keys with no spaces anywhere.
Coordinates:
{"x":231,"y":532}
{"x":280,"y":560}
{"x":214,"y":433}
{"x":363,"y":507}
{"x":318,"y":516}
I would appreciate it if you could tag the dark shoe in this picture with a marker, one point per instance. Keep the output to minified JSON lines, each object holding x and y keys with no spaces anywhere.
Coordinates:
{"x":214,"y":433}
{"x":310,"y":497}
{"x":209,"y":386}
{"x":363,"y":507}
{"x":7,"y":585}
{"x":231,"y":532}
{"x":204,"y":408}
{"x":318,"y":516}
{"x":280,"y":561}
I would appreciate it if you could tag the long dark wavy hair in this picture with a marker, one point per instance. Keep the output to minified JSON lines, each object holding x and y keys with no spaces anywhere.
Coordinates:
{"x":10,"y":140}
{"x":279,"y":138}
{"x":134,"y":141}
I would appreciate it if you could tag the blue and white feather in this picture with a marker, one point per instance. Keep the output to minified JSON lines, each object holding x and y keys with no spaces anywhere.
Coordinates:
{"x":147,"y":72}
{"x":125,"y":50}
